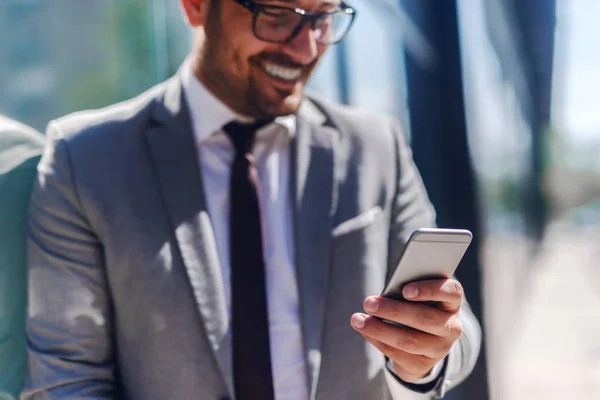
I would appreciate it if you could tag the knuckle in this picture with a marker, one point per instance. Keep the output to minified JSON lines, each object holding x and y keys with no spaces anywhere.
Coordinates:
{"x":457,"y":289}
{"x":426,"y":318}
{"x":408,"y":343}
{"x":454,"y":327}
{"x":458,"y":329}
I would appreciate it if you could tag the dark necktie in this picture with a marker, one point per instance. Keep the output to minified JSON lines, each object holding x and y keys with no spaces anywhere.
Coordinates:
{"x":253,"y":378}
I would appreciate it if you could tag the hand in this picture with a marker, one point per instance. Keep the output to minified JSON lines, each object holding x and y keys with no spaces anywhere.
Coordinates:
{"x":429,"y":331}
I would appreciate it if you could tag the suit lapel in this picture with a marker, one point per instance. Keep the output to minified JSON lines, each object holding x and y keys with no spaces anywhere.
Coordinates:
{"x":313,"y":159}
{"x":173,"y":149}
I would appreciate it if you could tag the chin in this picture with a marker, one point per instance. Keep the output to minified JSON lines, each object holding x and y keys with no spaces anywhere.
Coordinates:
{"x":285,"y":105}
{"x":269,"y":101}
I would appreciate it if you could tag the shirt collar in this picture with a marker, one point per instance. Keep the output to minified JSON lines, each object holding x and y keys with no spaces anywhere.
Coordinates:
{"x":208,"y":113}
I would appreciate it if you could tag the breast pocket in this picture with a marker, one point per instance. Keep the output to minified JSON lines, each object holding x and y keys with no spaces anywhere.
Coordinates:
{"x":359,"y":258}
{"x":357,"y":223}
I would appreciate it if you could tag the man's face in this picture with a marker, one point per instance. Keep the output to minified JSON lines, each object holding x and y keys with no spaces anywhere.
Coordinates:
{"x":254,"y":77}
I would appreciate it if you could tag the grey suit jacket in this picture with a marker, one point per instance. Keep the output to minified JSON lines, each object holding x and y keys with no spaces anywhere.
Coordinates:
{"x":126,"y":295}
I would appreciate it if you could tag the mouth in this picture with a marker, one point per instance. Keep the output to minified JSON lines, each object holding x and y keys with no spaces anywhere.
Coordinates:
{"x":287,"y":76}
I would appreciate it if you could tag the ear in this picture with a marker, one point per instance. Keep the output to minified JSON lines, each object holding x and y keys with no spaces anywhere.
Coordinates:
{"x":195,"y":11}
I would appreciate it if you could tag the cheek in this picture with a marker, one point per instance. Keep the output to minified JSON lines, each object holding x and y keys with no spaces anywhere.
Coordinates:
{"x":321,"y":50}
{"x":244,"y":46}
{"x":241,"y":38}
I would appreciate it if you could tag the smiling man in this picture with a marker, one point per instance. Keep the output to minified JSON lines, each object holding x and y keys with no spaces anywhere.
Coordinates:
{"x":215,"y":237}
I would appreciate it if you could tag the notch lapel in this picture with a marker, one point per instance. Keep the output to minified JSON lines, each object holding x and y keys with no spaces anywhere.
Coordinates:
{"x":173,"y":149}
{"x":313,"y":158}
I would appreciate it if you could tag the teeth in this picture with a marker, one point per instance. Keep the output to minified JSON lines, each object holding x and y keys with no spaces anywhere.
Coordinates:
{"x":277,"y":71}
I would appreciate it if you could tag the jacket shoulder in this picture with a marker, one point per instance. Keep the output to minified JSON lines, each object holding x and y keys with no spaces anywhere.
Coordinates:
{"x":369,"y":130}
{"x":356,"y":121}
{"x":114,"y":119}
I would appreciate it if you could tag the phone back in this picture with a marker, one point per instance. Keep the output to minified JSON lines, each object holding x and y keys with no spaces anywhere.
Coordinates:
{"x":429,"y":254}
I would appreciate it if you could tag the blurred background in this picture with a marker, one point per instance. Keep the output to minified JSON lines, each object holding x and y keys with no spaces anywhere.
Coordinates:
{"x":500,"y":99}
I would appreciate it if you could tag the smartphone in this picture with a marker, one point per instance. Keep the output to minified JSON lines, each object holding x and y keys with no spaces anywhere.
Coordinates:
{"x":430,"y":253}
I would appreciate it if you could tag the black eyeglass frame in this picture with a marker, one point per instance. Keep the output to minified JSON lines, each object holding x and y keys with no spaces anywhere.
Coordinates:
{"x":306,"y":17}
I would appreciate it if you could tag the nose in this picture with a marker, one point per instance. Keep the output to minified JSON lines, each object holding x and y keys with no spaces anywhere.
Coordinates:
{"x":303,"y":47}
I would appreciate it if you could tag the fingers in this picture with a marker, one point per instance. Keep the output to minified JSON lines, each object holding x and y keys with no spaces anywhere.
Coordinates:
{"x":428,"y":332}
{"x":402,"y":339}
{"x":448,"y":292}
{"x":408,"y":367}
{"x":415,"y":315}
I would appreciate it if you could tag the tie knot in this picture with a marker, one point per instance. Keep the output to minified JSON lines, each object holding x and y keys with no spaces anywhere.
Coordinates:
{"x":242,"y":135}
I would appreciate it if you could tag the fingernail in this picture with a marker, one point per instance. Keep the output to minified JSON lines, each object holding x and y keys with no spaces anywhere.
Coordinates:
{"x":371,"y":305}
{"x":358,"y":321}
{"x":410,"y":292}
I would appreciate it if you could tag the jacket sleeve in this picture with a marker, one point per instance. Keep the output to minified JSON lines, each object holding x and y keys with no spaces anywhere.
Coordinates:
{"x":413,"y":210}
{"x":70,"y":351}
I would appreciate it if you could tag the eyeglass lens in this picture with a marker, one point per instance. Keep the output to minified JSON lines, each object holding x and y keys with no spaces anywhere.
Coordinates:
{"x":278,"y":24}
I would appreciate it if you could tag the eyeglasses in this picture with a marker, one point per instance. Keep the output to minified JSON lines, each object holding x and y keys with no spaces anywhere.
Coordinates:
{"x":277,"y":24}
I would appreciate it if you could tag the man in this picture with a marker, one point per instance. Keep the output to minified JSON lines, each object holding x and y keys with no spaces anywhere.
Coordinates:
{"x":20,"y":150}
{"x":213,"y":237}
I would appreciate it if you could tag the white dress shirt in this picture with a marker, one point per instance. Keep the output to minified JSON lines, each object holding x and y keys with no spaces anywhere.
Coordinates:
{"x":272,"y":155}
